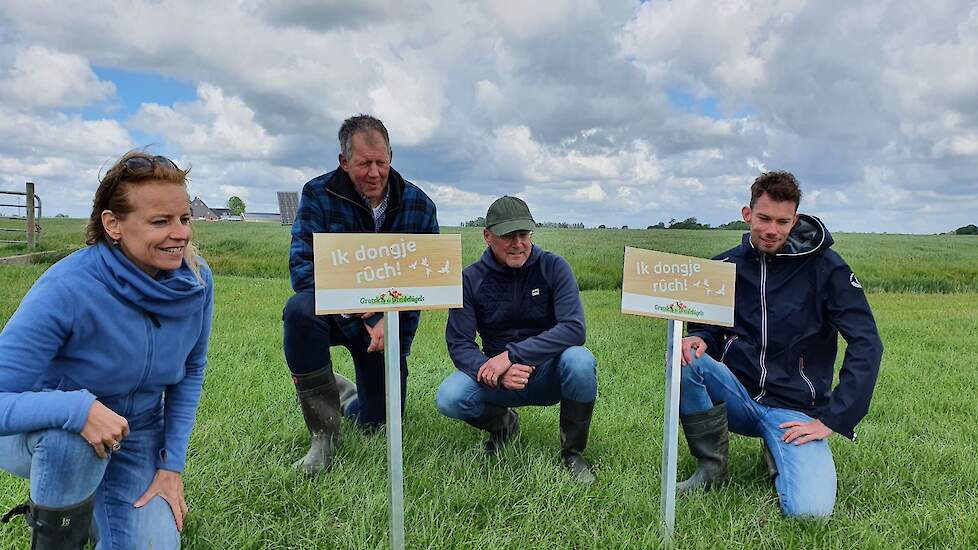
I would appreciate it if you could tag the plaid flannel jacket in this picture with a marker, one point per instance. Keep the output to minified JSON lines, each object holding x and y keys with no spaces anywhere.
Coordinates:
{"x":330,"y":204}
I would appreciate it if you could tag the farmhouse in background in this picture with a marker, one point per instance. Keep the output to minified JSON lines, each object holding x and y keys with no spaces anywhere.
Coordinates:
{"x":288,"y":202}
{"x":226,"y":215}
{"x":200,"y":211}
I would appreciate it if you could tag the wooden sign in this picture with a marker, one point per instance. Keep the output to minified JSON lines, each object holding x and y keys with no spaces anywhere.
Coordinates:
{"x":684,"y":288}
{"x":359,"y":272}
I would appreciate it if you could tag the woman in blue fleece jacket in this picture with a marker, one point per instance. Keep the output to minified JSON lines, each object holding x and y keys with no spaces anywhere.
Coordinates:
{"x":101,"y":369}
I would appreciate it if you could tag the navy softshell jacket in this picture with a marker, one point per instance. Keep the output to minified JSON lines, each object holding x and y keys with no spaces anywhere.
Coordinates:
{"x":790,"y":308}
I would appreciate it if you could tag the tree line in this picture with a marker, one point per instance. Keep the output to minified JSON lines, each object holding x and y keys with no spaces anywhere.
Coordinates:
{"x":688,"y":223}
{"x":481,"y":222}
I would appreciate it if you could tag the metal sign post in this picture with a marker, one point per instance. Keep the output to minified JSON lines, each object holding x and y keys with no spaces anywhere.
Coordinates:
{"x":670,"y":434}
{"x":388,"y":273}
{"x":677,"y":288}
{"x":395,"y":458}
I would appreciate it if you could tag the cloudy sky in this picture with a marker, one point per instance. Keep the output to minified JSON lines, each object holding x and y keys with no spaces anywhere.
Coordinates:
{"x":599,"y":112}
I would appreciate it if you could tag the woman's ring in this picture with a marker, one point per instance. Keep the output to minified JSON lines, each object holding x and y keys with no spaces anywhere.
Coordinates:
{"x":116,"y":446}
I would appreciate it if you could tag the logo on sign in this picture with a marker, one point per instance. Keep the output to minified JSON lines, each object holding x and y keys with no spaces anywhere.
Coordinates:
{"x":680,"y":308}
{"x":393,"y":296}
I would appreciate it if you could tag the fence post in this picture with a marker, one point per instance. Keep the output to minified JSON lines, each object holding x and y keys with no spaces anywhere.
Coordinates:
{"x":31,"y":222}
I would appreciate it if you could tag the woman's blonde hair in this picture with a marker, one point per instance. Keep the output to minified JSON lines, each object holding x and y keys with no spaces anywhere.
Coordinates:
{"x":134,"y":168}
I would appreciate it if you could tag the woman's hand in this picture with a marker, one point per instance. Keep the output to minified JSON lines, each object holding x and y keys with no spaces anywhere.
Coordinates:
{"x":104,"y":430}
{"x":168,"y":485}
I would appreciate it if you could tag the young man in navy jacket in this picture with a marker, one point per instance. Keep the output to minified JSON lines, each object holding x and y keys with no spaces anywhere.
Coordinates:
{"x":525,"y":305}
{"x":770,"y":376}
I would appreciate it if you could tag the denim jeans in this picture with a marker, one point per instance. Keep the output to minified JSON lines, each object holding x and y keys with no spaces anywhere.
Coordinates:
{"x":806,"y":481}
{"x":64,"y":470}
{"x":307,"y":340}
{"x":572,"y":376}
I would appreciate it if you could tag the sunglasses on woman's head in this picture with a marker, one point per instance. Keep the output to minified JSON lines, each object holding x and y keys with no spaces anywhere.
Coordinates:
{"x":137,"y":165}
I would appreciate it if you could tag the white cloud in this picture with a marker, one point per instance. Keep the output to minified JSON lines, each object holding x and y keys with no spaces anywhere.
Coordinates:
{"x":215,"y":125}
{"x":523,"y":20}
{"x":42,"y":78}
{"x":453,"y":196}
{"x":488,"y":95}
{"x":592,"y":193}
{"x":235,"y":191}
{"x":670,"y":109}
{"x":64,"y":155}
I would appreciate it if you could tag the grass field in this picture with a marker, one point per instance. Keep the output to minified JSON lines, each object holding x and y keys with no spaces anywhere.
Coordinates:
{"x":884,"y":263}
{"x":911,"y":480}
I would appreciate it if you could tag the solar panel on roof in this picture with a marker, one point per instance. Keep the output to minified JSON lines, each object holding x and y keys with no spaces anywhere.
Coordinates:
{"x":288,"y":203}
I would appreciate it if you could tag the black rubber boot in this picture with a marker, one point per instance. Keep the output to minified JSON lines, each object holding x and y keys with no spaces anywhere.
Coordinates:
{"x":501,"y":423}
{"x":772,"y":467}
{"x":347,"y":390}
{"x":708,"y":440}
{"x":320,"y":404}
{"x":575,"y":425}
{"x":64,"y":528}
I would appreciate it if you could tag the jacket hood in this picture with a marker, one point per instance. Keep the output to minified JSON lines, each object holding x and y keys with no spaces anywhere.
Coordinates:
{"x":490,"y":261}
{"x":174,"y":293}
{"x":808,"y":236}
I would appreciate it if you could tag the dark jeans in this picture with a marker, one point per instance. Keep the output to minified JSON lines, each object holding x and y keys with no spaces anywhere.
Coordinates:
{"x":308,"y":338}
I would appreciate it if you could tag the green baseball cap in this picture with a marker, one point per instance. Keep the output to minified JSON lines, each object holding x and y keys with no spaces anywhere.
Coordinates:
{"x":508,"y":214}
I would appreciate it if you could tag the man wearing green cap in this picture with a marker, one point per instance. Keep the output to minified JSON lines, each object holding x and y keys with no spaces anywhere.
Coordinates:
{"x":525,"y":305}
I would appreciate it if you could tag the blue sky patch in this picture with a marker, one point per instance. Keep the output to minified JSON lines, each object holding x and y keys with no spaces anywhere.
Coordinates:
{"x":134,"y":88}
{"x":685,"y":101}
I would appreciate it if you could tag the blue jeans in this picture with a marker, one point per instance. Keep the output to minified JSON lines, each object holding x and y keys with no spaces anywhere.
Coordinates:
{"x":806,"y":481}
{"x":572,"y":376}
{"x":64,"y":470}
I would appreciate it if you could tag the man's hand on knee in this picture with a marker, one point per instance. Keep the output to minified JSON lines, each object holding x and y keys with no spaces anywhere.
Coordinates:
{"x":491,"y":371}
{"x":376,"y":333}
{"x":692,"y":345}
{"x":516,"y":377}
{"x":799,"y":432}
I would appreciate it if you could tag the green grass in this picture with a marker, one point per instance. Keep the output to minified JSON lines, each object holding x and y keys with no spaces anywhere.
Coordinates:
{"x":910,"y":481}
{"x":884,"y":263}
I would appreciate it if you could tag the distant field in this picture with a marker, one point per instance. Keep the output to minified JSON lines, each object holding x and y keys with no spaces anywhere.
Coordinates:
{"x":910,"y":481}
{"x":884,"y":263}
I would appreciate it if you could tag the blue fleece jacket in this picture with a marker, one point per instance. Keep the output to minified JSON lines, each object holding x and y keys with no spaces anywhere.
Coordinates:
{"x":533,"y":312}
{"x":94,"y":326}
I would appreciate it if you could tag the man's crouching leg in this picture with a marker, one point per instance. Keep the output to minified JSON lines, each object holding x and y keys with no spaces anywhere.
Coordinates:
{"x":320,"y":404}
{"x":705,"y":427}
{"x":806,"y":481}
{"x":460,"y":397}
{"x":306,"y":340}
{"x":579,"y":389}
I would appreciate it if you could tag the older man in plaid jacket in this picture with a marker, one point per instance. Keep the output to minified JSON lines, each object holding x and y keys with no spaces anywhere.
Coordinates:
{"x":363,"y":195}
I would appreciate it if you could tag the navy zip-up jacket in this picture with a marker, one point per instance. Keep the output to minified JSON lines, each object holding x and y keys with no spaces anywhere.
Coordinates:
{"x":331,"y":204}
{"x":534,"y":312}
{"x":790,"y":309}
